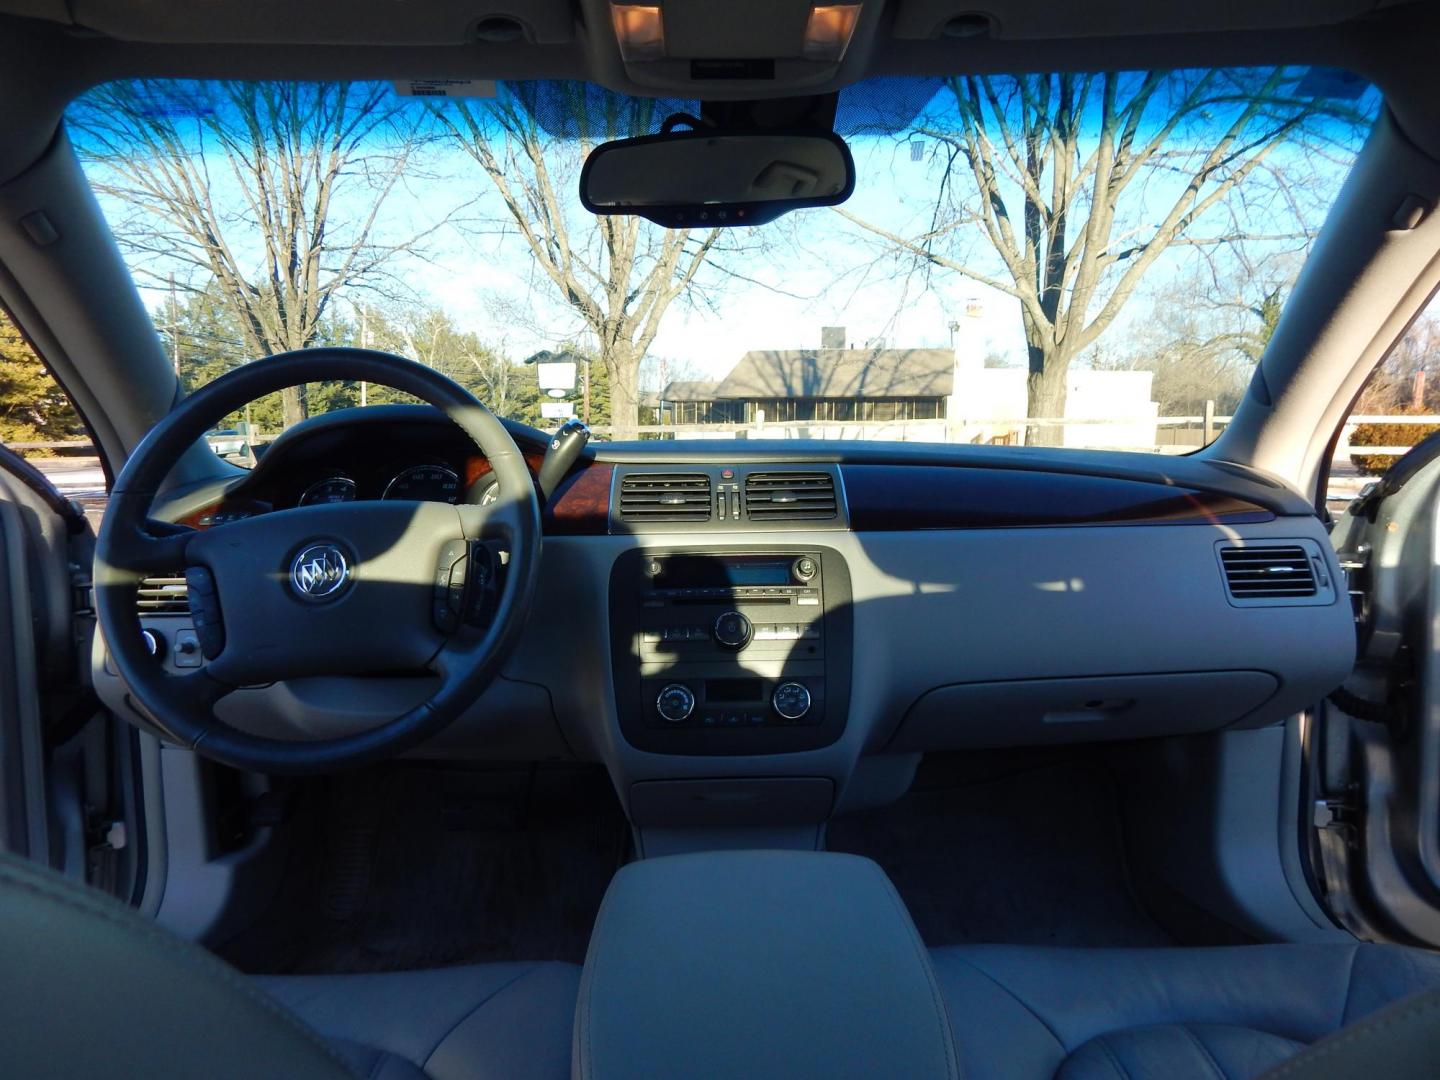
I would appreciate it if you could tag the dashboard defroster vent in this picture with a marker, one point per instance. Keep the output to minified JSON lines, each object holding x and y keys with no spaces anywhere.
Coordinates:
{"x":165,"y":594}
{"x":790,"y":496}
{"x":665,"y":496}
{"x":1271,"y":572}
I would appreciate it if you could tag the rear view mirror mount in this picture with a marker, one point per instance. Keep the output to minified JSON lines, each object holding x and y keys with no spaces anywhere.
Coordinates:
{"x":710,"y":178}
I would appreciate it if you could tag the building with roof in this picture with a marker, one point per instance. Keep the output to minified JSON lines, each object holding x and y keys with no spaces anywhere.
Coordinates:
{"x":788,"y":386}
{"x":932,"y":395}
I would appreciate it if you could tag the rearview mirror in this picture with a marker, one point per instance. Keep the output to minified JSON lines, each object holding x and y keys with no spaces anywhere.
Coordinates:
{"x":717,"y":178}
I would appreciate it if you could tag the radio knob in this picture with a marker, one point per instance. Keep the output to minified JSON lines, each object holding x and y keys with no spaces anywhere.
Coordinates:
{"x":804,"y":568}
{"x":154,"y":643}
{"x":675,"y":703}
{"x":791,"y":700}
{"x":733,"y":630}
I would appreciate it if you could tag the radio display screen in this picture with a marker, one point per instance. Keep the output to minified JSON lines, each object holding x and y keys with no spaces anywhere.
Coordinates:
{"x":759,"y":573}
{"x":709,"y":572}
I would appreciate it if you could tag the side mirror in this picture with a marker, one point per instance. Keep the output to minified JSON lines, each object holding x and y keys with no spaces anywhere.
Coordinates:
{"x":717,"y":178}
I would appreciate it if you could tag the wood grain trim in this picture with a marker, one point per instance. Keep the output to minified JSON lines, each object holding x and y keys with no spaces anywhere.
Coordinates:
{"x":477,"y":467}
{"x":200,"y":519}
{"x":888,"y":498}
{"x":581,"y":504}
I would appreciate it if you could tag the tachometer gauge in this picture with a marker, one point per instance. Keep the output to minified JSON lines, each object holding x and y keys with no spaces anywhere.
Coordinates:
{"x":333,"y":489}
{"x":425,"y":483}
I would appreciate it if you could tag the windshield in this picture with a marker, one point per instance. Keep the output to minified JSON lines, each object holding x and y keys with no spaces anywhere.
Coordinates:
{"x":1072,"y":260}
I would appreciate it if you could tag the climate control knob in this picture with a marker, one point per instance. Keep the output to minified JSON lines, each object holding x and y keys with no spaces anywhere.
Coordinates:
{"x":675,"y":703}
{"x":733,"y":630}
{"x":791,"y":700}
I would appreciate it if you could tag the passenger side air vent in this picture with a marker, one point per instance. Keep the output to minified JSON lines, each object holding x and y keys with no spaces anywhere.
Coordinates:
{"x":790,"y":496}
{"x":164,"y":595}
{"x":1272,"y":572}
{"x":665,"y":496}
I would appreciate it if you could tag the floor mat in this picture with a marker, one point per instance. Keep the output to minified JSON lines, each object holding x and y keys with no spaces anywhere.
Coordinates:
{"x":1019,"y":848}
{"x":414,"y":866}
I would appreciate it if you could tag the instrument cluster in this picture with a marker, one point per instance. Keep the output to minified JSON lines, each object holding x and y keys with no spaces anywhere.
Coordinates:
{"x":425,"y":482}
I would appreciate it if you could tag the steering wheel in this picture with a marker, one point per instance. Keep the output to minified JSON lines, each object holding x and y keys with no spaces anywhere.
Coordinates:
{"x":340,"y":589}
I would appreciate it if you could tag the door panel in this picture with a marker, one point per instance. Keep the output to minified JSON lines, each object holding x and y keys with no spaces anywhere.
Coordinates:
{"x":1374,"y":751}
{"x":29,"y":614}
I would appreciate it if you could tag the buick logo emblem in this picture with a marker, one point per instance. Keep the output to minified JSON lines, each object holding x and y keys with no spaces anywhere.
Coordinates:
{"x":319,"y":572}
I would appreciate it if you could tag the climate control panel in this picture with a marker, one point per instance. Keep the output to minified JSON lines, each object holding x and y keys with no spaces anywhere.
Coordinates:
{"x":676,"y":703}
{"x":733,"y":651}
{"x":737,"y":702}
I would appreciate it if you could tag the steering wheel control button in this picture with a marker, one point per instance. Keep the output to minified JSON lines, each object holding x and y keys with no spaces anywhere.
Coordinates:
{"x":319,"y":572}
{"x":448,"y":600}
{"x":804,"y":569}
{"x":732,"y":630}
{"x":187,"y":649}
{"x":205,"y":612}
{"x":791,"y":701}
{"x":675,"y":703}
{"x":483,"y":577}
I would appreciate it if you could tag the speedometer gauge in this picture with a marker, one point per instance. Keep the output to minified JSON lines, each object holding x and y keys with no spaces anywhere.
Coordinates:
{"x":333,"y":489}
{"x":425,"y":483}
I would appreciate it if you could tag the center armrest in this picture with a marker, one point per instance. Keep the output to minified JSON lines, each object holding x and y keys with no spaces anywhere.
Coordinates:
{"x":758,"y":964}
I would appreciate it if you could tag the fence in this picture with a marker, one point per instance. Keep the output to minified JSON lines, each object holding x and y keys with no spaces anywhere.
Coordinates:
{"x":1173,"y":433}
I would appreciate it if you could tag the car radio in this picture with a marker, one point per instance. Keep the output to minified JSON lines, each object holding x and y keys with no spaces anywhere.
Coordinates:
{"x":735,"y":651}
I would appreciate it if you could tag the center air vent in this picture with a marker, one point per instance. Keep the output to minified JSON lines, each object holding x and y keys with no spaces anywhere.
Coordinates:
{"x":1271,"y":572}
{"x":790,"y":496}
{"x":163,"y":595}
{"x":665,"y":496}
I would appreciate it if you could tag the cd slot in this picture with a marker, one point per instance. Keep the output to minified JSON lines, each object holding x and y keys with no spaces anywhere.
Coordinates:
{"x":732,"y":600}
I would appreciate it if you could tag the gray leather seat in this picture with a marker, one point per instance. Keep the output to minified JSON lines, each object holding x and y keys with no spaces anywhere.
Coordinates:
{"x":1217,"y":1014}
{"x":496,"y":1021}
{"x":88,"y":988}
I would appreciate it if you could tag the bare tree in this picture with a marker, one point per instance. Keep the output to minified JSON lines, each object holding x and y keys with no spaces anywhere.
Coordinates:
{"x":1408,"y":379}
{"x":1074,"y":186}
{"x":1201,"y":340}
{"x":429,"y":335}
{"x":271,"y":189}
{"x":618,"y":274}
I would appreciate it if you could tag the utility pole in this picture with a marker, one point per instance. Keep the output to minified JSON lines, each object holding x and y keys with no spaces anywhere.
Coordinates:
{"x":174,"y":329}
{"x":587,"y":390}
{"x":364,"y":344}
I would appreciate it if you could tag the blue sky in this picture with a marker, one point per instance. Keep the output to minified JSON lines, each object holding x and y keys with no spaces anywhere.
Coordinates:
{"x":811,"y":268}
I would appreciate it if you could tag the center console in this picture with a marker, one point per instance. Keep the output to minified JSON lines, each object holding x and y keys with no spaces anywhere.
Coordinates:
{"x":735,"y":651}
{"x":758,"y":963}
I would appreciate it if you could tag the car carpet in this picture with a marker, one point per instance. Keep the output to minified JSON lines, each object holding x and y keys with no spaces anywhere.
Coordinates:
{"x":411,"y":866}
{"x":415,"y":866}
{"x":1020,"y":847}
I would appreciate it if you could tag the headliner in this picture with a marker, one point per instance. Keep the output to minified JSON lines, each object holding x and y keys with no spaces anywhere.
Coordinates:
{"x":52,"y":49}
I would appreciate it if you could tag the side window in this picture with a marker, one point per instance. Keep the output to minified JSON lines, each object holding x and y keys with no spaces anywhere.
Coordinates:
{"x":1399,"y":406}
{"x":38,"y":422}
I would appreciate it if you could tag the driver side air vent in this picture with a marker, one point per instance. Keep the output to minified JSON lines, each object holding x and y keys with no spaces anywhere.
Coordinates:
{"x":165,"y":594}
{"x":1275,"y":574}
{"x":790,"y":496}
{"x":665,"y":496}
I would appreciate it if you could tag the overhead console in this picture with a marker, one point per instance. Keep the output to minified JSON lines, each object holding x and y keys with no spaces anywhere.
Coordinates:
{"x":735,"y":651}
{"x":758,"y":48}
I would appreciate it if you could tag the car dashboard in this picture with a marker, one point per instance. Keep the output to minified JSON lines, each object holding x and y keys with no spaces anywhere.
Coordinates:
{"x":740,"y":628}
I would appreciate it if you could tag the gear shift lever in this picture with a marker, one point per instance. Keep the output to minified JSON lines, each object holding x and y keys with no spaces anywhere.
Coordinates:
{"x":565,"y":446}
